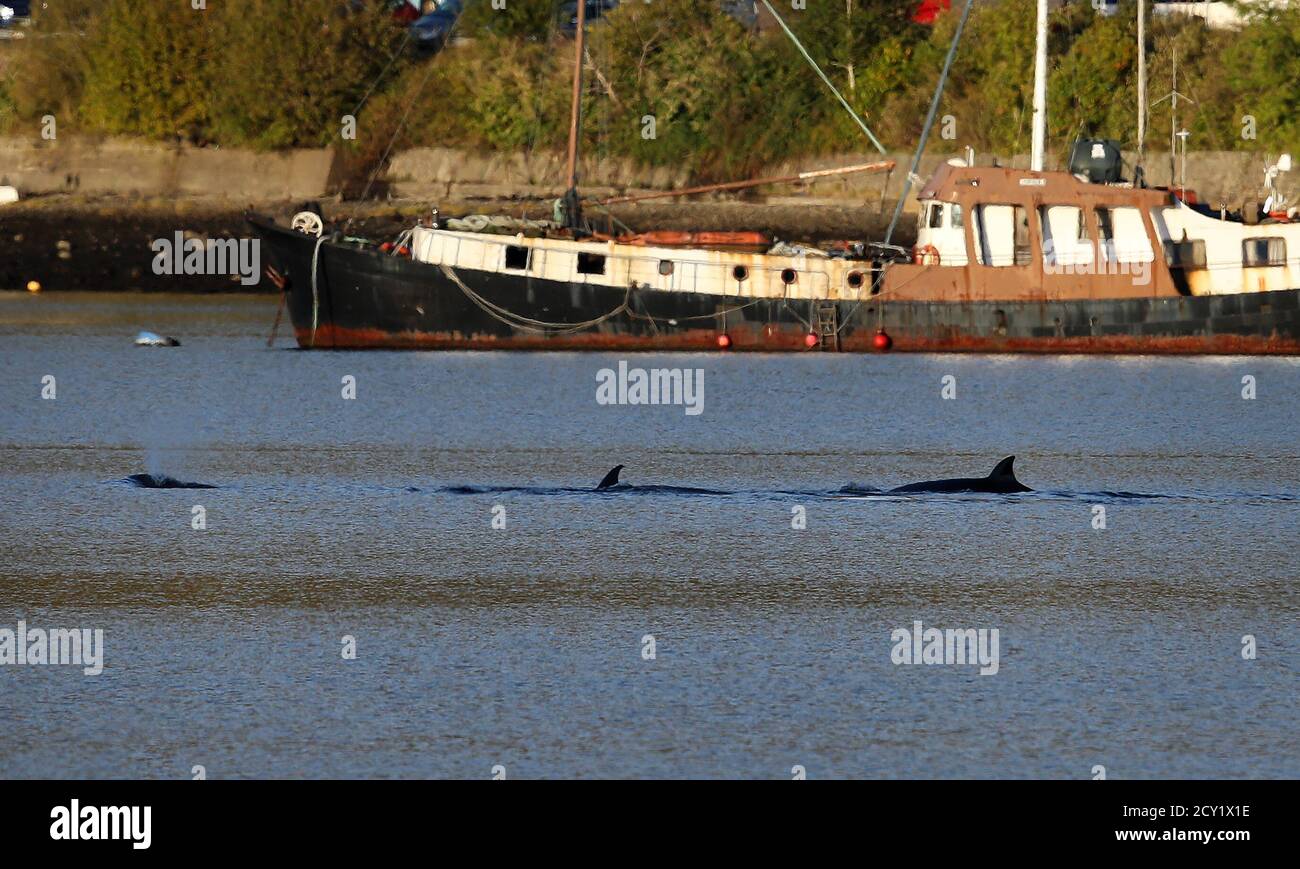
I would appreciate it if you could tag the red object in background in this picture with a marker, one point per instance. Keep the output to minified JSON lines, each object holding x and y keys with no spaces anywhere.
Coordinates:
{"x":406,"y":12}
{"x":930,"y":10}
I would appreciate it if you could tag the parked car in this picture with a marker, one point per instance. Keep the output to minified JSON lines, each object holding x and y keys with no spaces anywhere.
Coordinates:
{"x":744,"y":11}
{"x":13,"y":12}
{"x":431,"y":31}
{"x":595,"y":9}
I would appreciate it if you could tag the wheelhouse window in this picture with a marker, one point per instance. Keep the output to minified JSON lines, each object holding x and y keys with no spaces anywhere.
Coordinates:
{"x":1123,"y":236}
{"x":1185,"y":254}
{"x":1023,"y":253}
{"x":1106,"y":233}
{"x":518,"y":257}
{"x":1065,"y":239}
{"x":995,"y":234}
{"x":591,"y":264}
{"x":1261,"y":252}
{"x":936,"y":215}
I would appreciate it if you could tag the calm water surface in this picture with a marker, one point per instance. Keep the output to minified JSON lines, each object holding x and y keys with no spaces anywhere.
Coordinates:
{"x":523,"y":647}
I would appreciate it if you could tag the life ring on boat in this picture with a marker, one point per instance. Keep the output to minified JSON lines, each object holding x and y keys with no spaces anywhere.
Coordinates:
{"x":308,"y":223}
{"x":925,"y":255}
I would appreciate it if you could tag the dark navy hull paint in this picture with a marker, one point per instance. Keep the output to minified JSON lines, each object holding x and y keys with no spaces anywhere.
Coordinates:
{"x":366,"y":299}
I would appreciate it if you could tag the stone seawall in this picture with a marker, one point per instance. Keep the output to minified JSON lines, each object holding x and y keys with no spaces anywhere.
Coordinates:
{"x":116,"y":167}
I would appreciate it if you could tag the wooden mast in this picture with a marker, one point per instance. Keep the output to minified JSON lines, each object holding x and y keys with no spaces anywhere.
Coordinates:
{"x":1142,"y":82}
{"x":1038,"y":146}
{"x":572,"y":204}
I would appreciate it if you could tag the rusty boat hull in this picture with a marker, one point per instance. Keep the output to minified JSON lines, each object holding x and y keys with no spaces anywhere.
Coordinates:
{"x":365,"y":299}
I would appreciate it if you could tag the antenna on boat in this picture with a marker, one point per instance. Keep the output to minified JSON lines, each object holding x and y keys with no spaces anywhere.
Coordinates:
{"x":571,"y":203}
{"x":1174,"y":96}
{"x":1276,"y":202}
{"x":1039,"y":145}
{"x":1138,"y":174}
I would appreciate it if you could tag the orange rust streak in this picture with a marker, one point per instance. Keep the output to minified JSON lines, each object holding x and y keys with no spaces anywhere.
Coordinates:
{"x":755,"y":340}
{"x":1126,"y":345}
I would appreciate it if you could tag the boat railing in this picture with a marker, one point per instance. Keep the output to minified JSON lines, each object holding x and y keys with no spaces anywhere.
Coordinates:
{"x":730,"y":271}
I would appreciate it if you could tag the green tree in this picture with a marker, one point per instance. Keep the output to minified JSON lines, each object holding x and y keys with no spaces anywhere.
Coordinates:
{"x":693,"y":70}
{"x":151,"y":75}
{"x":48,"y":72}
{"x":528,"y":19}
{"x":289,"y":70}
{"x":1258,"y":71}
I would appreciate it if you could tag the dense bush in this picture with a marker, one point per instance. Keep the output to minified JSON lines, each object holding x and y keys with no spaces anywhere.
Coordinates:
{"x":47,"y":73}
{"x":725,"y":99}
{"x":150,"y":70}
{"x":262,"y":73}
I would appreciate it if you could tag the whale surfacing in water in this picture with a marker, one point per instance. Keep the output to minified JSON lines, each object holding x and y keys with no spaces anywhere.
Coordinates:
{"x":162,"y":481}
{"x":611,"y":479}
{"x":151,"y":339}
{"x":1001,"y":481}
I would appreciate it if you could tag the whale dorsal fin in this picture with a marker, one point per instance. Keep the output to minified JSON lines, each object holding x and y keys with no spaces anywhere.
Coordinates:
{"x":611,"y":479}
{"x":1004,"y":469}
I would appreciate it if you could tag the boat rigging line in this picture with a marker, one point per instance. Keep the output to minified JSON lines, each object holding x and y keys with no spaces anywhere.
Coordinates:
{"x":929,"y":121}
{"x":806,"y":56}
{"x":401,"y":125}
{"x":916,"y":163}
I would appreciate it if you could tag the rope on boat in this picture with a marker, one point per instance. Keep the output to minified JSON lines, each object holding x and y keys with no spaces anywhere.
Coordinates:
{"x":715,"y":315}
{"x":876,"y":293}
{"x":406,"y":114}
{"x":528,"y":324}
{"x":315,"y":294}
{"x":806,"y":324}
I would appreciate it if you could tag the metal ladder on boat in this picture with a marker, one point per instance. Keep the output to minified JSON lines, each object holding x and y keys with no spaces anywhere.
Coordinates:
{"x":826,"y":326}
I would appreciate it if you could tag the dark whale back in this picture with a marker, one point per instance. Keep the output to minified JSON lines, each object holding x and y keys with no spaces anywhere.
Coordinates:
{"x":611,"y":479}
{"x":162,"y":481}
{"x":1002,"y":481}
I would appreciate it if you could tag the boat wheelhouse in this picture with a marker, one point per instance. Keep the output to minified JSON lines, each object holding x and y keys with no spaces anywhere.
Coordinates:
{"x":1017,"y":234}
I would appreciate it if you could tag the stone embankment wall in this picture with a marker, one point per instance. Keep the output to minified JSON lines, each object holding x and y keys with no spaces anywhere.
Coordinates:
{"x":128,"y":168}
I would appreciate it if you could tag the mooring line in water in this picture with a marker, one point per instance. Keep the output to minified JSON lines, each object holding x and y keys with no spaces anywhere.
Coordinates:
{"x":283,"y":285}
{"x":527,"y":324}
{"x":279,"y":312}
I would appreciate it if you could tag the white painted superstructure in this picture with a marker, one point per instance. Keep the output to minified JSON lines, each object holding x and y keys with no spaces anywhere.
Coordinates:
{"x":608,"y":263}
